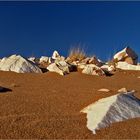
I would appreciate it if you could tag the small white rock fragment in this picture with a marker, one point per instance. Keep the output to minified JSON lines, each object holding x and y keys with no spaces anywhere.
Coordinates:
{"x":104,"y":90}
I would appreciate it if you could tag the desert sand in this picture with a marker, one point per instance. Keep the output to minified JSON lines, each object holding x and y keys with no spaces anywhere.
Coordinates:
{"x":48,"y":105}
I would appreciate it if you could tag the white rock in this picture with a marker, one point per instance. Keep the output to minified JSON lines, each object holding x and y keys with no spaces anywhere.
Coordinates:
{"x":81,"y":65}
{"x":104,"y":90}
{"x":54,"y":68}
{"x":112,"y":109}
{"x":60,"y":67}
{"x":44,"y":59}
{"x":108,"y":68}
{"x":56,"y":55}
{"x":32,"y":59}
{"x":126,"y":66}
{"x":92,"y":69}
{"x":18,"y":64}
{"x":127,"y":55}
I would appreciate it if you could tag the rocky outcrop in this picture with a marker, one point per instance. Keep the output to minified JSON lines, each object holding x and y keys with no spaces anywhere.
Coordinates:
{"x":112,"y":109}
{"x":18,"y":64}
{"x":127,"y":55}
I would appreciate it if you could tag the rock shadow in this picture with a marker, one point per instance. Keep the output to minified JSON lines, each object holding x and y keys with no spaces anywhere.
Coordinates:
{"x":3,"y":89}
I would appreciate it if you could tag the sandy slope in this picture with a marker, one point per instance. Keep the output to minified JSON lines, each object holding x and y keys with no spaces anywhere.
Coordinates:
{"x":48,"y":105}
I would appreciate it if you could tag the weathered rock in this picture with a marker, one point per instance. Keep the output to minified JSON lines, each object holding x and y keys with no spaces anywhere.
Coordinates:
{"x":56,"y":55}
{"x":126,"y":66}
{"x":18,"y":64}
{"x":127,"y":55}
{"x":44,"y":59}
{"x":61,"y":67}
{"x":92,"y":69}
{"x":112,"y":109}
{"x":108,"y":68}
{"x":104,"y":90}
{"x":92,"y":60}
{"x":54,"y":68}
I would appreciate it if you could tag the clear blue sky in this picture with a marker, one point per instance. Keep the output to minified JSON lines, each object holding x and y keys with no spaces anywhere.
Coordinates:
{"x":38,"y":28}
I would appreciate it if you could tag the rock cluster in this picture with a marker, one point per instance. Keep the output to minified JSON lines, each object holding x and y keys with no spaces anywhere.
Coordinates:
{"x":125,"y":60}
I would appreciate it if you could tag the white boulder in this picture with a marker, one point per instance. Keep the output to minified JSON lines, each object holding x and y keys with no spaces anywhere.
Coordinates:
{"x":44,"y":59}
{"x":126,"y":66}
{"x":127,"y":55}
{"x":18,"y":64}
{"x":54,"y":68}
{"x":112,"y":109}
{"x":60,"y":67}
{"x":92,"y":69}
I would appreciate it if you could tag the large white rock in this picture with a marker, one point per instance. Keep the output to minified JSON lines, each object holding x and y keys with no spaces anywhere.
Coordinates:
{"x":112,"y":109}
{"x":127,"y":55}
{"x":126,"y":66}
{"x":54,"y":68}
{"x":18,"y":64}
{"x":60,"y":67}
{"x":92,"y":69}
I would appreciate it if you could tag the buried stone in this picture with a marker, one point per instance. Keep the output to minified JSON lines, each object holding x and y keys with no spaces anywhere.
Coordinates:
{"x":112,"y":109}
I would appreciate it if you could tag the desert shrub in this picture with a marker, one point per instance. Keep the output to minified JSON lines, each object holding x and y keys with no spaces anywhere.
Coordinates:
{"x":77,"y":54}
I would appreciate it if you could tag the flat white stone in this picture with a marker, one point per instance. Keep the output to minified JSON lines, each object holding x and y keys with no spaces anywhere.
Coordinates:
{"x":104,"y":90}
{"x":126,"y":66}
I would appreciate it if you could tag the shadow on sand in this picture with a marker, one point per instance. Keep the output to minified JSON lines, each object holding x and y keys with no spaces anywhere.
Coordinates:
{"x":3,"y":89}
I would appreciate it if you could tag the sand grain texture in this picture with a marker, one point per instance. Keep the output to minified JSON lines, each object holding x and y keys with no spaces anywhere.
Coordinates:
{"x":48,"y":105}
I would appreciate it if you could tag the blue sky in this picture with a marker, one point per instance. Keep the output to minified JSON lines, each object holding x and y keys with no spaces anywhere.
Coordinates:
{"x":39,"y":28}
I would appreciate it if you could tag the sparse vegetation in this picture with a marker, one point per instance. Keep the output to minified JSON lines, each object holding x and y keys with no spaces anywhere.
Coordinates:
{"x":77,"y":54}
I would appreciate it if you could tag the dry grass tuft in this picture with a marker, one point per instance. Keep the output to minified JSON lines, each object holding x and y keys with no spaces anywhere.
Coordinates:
{"x":77,"y":54}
